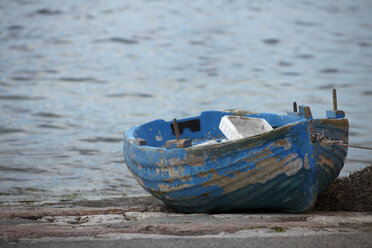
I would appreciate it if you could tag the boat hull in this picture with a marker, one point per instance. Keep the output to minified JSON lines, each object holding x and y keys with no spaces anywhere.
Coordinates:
{"x":284,"y":169}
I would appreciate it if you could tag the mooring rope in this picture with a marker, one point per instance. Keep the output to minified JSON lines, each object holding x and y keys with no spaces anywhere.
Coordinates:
{"x":321,"y":139}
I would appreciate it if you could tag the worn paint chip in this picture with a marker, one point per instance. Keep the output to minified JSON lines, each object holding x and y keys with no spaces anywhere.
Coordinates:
{"x":306,"y":161}
{"x":166,"y":188}
{"x":266,"y":169}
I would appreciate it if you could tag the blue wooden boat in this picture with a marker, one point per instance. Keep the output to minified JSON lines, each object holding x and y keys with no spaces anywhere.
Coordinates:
{"x":284,"y":169}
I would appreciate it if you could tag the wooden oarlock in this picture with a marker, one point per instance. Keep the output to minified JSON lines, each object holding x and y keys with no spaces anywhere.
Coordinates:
{"x":178,"y":142}
{"x":176,"y":129}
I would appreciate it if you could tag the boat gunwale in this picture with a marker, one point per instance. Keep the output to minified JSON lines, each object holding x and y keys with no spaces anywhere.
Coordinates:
{"x":130,"y":133}
{"x":129,"y":136}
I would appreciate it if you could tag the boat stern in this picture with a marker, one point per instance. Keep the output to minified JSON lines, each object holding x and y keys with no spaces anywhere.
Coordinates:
{"x":330,"y":151}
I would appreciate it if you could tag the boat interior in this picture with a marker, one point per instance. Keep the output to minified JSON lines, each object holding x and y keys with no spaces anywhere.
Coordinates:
{"x":199,"y":129}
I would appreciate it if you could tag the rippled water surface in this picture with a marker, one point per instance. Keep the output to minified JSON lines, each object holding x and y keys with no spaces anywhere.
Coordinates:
{"x":74,"y":75}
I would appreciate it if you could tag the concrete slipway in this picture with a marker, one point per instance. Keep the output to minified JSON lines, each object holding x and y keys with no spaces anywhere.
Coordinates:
{"x":146,"y":222}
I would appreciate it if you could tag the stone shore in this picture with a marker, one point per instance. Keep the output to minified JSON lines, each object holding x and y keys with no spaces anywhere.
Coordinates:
{"x":147,"y":222}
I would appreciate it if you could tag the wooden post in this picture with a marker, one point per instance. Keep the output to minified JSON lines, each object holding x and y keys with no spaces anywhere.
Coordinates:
{"x":295,"y":110}
{"x":295,"y":107}
{"x":334,"y":99}
{"x":335,"y":113}
{"x":178,"y":142}
{"x":176,"y":130}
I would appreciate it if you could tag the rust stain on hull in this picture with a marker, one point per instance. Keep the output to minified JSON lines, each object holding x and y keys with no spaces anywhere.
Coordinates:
{"x":337,"y":123}
{"x":283,"y":143}
{"x":169,"y":162}
{"x":164,"y":188}
{"x":205,"y":174}
{"x":175,"y":172}
{"x":306,"y":161}
{"x":323,"y":160}
{"x":266,"y":152}
{"x":139,"y":180}
{"x":195,"y":160}
{"x":213,"y":159}
{"x":265,"y":170}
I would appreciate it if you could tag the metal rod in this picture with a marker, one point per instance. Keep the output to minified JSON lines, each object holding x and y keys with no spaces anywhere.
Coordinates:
{"x":334,"y":99}
{"x":176,"y":130}
{"x":360,"y":147}
{"x":294,"y":106}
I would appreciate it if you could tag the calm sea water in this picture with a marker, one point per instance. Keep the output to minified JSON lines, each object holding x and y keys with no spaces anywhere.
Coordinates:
{"x":75,"y":75}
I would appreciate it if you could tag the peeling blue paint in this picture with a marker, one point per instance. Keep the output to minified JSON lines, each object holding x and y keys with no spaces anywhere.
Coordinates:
{"x":282,"y":169}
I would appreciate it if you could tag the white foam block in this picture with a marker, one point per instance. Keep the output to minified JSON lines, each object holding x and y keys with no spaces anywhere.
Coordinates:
{"x":211,"y":142}
{"x":238,"y":127}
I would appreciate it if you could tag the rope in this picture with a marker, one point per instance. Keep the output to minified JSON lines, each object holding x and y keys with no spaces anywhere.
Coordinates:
{"x":321,"y":139}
